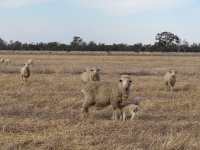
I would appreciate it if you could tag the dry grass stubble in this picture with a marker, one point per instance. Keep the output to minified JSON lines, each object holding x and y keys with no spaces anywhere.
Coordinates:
{"x":45,"y":112}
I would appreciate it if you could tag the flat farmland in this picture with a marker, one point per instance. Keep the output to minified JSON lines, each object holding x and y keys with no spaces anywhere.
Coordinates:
{"x":45,"y":112}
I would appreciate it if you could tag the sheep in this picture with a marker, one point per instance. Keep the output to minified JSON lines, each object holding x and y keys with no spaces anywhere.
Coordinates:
{"x":129,"y":110}
{"x":25,"y":72}
{"x":102,"y":94}
{"x":91,"y":74}
{"x":170,"y":79}
{"x":2,"y":60}
{"x":7,"y":61}
{"x":30,"y":62}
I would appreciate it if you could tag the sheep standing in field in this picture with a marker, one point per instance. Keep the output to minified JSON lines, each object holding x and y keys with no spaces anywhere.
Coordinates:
{"x":170,"y":79}
{"x":91,"y":74}
{"x":25,"y":72}
{"x":2,"y":60}
{"x":7,"y":61}
{"x":102,"y":94}
{"x":129,"y":110}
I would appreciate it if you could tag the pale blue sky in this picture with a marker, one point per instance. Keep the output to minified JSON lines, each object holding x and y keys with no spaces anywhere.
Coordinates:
{"x":107,"y":21}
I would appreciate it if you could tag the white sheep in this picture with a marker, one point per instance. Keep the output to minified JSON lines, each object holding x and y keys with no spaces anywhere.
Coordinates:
{"x":170,"y":79}
{"x":25,"y":72}
{"x":2,"y":60}
{"x":102,"y":94}
{"x":91,"y":74}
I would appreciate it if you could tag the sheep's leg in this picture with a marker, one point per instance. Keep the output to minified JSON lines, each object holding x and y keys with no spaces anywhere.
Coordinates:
{"x":172,"y":88}
{"x":88,"y":102}
{"x":124,"y":116}
{"x":121,"y":116}
{"x":167,"y":86}
{"x":132,"y":115}
{"x":22,"y":78}
{"x":115,"y":115}
{"x":172,"y":92}
{"x":85,"y":109}
{"x":116,"y":109}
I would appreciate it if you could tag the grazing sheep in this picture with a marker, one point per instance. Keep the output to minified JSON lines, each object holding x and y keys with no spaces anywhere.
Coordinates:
{"x":25,"y":72}
{"x":91,"y":74}
{"x":7,"y":61}
{"x":170,"y":79}
{"x":30,"y":62}
{"x":129,"y":110}
{"x":2,"y":60}
{"x":102,"y":94}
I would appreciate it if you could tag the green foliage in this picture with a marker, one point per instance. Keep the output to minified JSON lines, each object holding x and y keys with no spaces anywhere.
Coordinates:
{"x":165,"y":42}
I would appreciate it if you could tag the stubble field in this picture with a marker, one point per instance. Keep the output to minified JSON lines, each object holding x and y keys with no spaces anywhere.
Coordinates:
{"x":44,"y":113}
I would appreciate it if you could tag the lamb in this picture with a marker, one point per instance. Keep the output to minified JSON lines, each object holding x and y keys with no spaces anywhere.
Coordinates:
{"x":25,"y":72}
{"x":102,"y":94}
{"x":129,"y":110}
{"x":170,"y":79}
{"x":91,"y":74}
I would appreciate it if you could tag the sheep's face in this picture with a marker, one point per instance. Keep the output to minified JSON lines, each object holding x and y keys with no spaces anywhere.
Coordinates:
{"x":26,"y":64}
{"x":173,"y":73}
{"x":95,"y":74}
{"x":95,"y":70}
{"x":125,"y":83}
{"x":136,"y":109}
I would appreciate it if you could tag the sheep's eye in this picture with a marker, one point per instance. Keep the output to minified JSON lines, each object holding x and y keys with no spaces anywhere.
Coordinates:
{"x":130,"y":81}
{"x":120,"y":80}
{"x":91,"y":70}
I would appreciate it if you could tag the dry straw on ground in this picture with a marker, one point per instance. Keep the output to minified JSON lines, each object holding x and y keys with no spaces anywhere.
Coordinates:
{"x":44,"y":113}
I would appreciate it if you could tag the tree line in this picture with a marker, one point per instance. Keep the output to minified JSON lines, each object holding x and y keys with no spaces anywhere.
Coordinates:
{"x":164,"y":42}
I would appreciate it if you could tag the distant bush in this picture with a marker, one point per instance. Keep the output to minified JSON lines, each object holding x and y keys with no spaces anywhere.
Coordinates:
{"x":165,"y":42}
